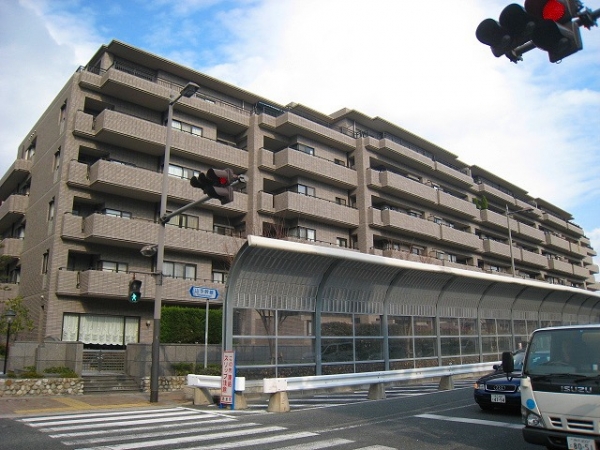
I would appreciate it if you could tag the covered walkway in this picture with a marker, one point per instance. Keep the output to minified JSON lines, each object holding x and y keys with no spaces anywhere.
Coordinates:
{"x":296,"y":309}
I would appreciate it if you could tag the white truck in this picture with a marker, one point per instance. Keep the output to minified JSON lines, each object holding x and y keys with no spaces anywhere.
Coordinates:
{"x":560,"y":388}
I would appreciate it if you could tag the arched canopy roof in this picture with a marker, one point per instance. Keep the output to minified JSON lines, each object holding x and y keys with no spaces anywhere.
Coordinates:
{"x":281,"y":275}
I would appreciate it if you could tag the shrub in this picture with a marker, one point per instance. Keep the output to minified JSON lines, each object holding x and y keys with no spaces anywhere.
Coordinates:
{"x":64,"y":372}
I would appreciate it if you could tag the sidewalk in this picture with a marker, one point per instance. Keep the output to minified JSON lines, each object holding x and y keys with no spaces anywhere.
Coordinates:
{"x":40,"y":405}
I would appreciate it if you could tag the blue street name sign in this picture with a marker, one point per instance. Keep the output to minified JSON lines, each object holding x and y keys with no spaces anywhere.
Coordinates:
{"x":203,"y":292}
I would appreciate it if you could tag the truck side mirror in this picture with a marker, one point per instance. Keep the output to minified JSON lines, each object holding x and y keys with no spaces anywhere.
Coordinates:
{"x":508,"y":363}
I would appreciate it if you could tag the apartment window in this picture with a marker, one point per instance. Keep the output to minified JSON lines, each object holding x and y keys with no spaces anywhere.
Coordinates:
{"x":51,"y":210}
{"x":413,"y":213}
{"x":219,"y":277}
{"x":341,"y":242}
{"x":417,"y":250}
{"x":305,"y":190}
{"x":340,"y":201}
{"x":304,"y":233}
{"x":45,"y":261}
{"x":113,"y":266}
{"x":179,"y":270}
{"x":186,"y":127}
{"x":28,"y":155}
{"x":304,"y":149}
{"x":185,"y":221}
{"x":117,"y":213}
{"x":223,"y":229}
{"x":451,"y":258}
{"x":56,"y":163}
{"x":340,"y":162}
{"x":62,"y":116}
{"x":182,"y":172}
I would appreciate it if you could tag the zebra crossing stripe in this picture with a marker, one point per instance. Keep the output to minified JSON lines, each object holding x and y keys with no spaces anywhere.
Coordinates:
{"x":195,"y":438}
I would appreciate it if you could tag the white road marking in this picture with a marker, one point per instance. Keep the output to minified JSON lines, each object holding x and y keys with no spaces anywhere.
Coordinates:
{"x":490,"y":423}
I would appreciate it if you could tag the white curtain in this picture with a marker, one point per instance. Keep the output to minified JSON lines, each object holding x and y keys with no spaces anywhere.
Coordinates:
{"x":70,"y":327}
{"x":101,"y":330}
{"x":131,"y":329}
{"x":96,"y":329}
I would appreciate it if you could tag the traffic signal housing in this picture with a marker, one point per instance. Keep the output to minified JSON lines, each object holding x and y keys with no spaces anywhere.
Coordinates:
{"x":546,"y":24}
{"x":515,"y":28}
{"x":216,"y":183}
{"x":555,"y":30}
{"x":135,"y":291}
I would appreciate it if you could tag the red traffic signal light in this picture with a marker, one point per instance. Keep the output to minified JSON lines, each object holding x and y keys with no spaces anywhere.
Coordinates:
{"x":135,"y":291}
{"x":555,"y":31}
{"x":216,"y":184}
{"x":560,"y":11}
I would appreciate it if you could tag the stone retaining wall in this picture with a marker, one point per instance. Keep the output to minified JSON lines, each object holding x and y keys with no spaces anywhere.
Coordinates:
{"x":21,"y":387}
{"x":165,"y":384}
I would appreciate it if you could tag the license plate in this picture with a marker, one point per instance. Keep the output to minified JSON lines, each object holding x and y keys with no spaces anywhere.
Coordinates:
{"x":577,"y":443}
{"x":498,"y":398}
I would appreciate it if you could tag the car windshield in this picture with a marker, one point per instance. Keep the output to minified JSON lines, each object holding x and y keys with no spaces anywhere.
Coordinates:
{"x":519,"y":358}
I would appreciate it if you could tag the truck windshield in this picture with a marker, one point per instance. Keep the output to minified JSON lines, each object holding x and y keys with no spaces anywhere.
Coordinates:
{"x":564,"y":351}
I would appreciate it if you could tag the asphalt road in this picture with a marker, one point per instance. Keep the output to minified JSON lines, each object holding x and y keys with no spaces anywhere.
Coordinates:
{"x":437,"y":420}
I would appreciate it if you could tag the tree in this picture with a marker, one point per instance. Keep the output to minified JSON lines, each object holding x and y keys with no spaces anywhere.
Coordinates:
{"x":21,"y":321}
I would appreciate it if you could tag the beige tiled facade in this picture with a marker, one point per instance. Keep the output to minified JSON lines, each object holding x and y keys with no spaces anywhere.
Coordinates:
{"x":82,"y":197}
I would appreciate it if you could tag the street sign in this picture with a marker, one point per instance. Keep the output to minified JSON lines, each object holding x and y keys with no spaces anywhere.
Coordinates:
{"x":203,"y":292}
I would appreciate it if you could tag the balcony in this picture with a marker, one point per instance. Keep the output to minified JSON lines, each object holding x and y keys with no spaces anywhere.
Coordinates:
{"x":401,"y":186}
{"x":555,"y":242}
{"x":110,"y":230}
{"x":460,"y":238}
{"x":398,"y":152}
{"x":555,"y":221}
{"x":457,"y":205}
{"x":581,"y":272}
{"x":397,"y":221}
{"x":130,"y":132}
{"x":115,"y":285}
{"x":528,"y":232}
{"x":445,"y":172}
{"x":291,"y":124}
{"x":496,"y":220}
{"x":11,"y":247}
{"x":133,"y":182}
{"x":13,"y":209}
{"x":292,"y":204}
{"x":155,"y":95}
{"x":492,"y":192}
{"x":560,"y":266}
{"x":496,"y":248}
{"x":14,"y":176}
{"x":290,"y":162}
{"x":534,"y":259}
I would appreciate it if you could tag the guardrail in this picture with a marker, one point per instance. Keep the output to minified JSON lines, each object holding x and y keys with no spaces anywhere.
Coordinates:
{"x":279,"y":387}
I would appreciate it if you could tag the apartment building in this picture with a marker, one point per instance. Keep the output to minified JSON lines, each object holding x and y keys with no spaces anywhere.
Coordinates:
{"x":82,"y":198}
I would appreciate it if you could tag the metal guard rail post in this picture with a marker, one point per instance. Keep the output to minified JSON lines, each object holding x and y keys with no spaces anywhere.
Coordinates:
{"x":279,"y":387}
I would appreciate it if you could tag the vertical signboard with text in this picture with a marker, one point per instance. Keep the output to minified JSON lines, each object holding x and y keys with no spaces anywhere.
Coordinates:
{"x":228,"y":378}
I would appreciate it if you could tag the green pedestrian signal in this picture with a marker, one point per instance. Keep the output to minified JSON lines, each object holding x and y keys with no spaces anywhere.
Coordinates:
{"x":135,"y":291}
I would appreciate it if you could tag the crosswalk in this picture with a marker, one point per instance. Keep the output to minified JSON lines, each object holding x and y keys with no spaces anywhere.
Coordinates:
{"x":177,"y":428}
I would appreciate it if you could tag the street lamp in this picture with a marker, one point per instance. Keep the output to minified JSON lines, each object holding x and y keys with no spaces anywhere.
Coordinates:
{"x":510,"y":243}
{"x":9,"y":316}
{"x":189,"y":90}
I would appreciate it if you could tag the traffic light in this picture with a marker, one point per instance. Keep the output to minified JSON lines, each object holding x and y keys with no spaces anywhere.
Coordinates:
{"x":135,"y":291}
{"x":514,"y":28}
{"x":216,"y":183}
{"x":555,"y":31}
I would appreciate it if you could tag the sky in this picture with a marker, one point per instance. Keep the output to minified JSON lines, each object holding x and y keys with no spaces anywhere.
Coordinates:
{"x":415,"y":64}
